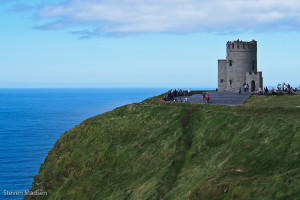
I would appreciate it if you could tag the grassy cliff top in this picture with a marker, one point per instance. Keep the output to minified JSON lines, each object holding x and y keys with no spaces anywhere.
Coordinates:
{"x":274,"y":101}
{"x":167,"y":150}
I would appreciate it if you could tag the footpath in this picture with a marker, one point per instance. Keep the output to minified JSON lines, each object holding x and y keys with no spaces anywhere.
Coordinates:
{"x":220,"y":98}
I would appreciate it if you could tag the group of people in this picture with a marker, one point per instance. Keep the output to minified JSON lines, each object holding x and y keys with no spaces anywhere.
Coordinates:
{"x":281,"y":89}
{"x":266,"y":91}
{"x":177,"y":95}
{"x":205,"y":97}
{"x":246,"y":88}
{"x":286,"y":88}
{"x":174,"y":95}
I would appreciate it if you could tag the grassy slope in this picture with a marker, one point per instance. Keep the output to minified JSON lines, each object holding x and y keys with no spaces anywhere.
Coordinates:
{"x":159,"y":150}
{"x":283,"y":100}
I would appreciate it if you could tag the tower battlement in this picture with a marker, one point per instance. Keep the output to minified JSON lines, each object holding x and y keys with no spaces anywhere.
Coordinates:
{"x":239,"y":45}
{"x":253,"y":73}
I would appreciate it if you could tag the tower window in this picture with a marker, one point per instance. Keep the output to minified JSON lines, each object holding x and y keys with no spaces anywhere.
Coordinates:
{"x":222,"y":80}
{"x":243,"y":46}
{"x":253,"y":65}
{"x":230,"y":62}
{"x":230,"y":81}
{"x":238,"y":46}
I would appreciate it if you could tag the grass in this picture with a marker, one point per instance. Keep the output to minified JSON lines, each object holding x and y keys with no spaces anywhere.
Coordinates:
{"x":163,"y":150}
{"x":281,"y":100}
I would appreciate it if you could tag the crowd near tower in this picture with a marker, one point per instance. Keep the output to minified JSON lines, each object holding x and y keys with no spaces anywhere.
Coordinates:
{"x":240,"y":67}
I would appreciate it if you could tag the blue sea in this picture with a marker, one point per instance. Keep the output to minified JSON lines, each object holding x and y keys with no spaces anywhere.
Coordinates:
{"x":31,"y":120}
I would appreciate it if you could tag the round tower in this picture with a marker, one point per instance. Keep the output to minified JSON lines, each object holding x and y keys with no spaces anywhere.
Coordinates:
{"x":241,"y":59}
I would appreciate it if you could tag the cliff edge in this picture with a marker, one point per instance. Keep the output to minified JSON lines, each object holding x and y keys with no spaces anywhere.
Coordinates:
{"x":167,"y":150}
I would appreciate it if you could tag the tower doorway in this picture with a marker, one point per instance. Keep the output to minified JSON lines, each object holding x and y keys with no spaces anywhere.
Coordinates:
{"x":253,"y":86}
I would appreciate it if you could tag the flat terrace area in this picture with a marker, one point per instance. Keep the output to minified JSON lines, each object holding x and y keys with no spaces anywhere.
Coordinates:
{"x":220,"y":98}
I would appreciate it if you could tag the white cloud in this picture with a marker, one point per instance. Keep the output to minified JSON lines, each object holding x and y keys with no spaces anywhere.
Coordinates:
{"x":172,"y":16}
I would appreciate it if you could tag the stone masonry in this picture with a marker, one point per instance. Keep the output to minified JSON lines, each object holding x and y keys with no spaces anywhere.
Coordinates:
{"x":239,"y":67}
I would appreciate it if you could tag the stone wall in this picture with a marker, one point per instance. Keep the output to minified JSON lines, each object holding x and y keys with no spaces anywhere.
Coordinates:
{"x":257,"y":78}
{"x":222,"y":75}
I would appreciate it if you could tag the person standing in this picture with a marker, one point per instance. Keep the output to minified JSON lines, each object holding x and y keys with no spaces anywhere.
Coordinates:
{"x":260,"y":91}
{"x":266,"y":91}
{"x":203,"y":96}
{"x":273,"y":91}
{"x":208,"y":98}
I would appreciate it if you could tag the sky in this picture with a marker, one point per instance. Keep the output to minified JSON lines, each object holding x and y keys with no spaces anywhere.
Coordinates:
{"x":142,"y":43}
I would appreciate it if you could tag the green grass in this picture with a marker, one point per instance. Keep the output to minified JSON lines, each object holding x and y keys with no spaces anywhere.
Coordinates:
{"x":163,"y":150}
{"x":281,"y":100}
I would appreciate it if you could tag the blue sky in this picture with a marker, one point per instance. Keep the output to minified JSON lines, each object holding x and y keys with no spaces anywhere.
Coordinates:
{"x":139,"y":43}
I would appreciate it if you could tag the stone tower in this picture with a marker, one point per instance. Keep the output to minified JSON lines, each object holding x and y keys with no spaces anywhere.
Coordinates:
{"x":239,"y":67}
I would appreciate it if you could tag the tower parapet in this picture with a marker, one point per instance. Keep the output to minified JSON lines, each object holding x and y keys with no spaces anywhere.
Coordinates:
{"x":240,"y":45}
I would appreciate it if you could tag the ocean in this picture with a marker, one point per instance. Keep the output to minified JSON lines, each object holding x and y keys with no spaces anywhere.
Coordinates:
{"x":32,"y":120}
